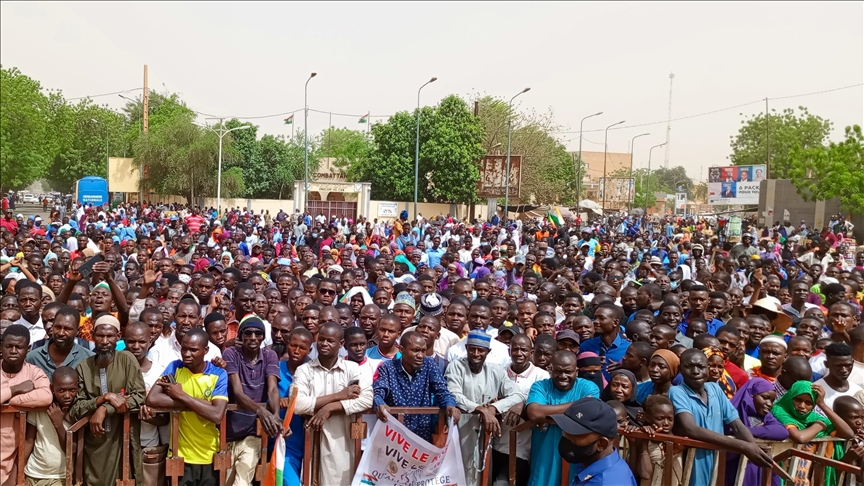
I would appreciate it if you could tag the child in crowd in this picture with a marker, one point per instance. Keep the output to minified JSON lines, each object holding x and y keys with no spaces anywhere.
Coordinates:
{"x":45,"y":443}
{"x":659,"y":417}
{"x":852,"y":412}
{"x":753,"y":403}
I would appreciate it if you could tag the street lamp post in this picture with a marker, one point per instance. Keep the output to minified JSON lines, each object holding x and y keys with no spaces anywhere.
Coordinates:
{"x":650,"y":153}
{"x":605,"y":151}
{"x":141,"y":168}
{"x":417,"y":146}
{"x":509,"y":130}
{"x":579,"y":175}
{"x":106,"y":145}
{"x":629,"y":199}
{"x":220,"y":131}
{"x":306,"y":141}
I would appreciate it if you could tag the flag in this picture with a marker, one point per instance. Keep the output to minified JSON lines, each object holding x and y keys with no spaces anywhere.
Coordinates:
{"x":289,"y":120}
{"x":275,"y":469}
{"x":364,"y":118}
{"x":555,"y":218}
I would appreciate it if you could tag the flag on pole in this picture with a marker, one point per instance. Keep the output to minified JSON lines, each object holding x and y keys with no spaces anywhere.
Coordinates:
{"x":276,"y":468}
{"x":555,"y":218}
{"x":289,"y":120}
{"x":364,"y":118}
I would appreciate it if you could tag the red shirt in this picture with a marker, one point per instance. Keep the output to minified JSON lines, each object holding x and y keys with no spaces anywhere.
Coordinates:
{"x":194,"y":223}
{"x":738,"y":375}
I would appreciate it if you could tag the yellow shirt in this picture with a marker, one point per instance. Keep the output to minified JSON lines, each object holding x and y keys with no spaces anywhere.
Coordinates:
{"x":199,"y":438}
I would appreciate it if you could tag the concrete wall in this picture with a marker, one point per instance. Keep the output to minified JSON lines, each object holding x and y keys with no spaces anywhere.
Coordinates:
{"x":777,"y":195}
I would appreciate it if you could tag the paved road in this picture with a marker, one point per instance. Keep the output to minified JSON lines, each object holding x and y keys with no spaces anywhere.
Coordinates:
{"x":30,"y":210}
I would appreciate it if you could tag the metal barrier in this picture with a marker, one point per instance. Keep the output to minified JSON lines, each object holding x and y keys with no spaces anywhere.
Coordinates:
{"x":221,"y":459}
{"x":358,"y":432}
{"x":780,"y":451}
{"x":74,"y":459}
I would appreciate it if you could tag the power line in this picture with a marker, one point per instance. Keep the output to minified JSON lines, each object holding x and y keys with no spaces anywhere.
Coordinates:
{"x":349,"y":114}
{"x":103,"y":94}
{"x":248,"y":117}
{"x":762,"y":100}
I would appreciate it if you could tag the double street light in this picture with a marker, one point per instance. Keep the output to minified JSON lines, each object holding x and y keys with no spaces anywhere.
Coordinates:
{"x":305,"y":140}
{"x":650,"y":153}
{"x":221,"y":131}
{"x":605,"y":152}
{"x":509,"y":130}
{"x":417,"y":146}
{"x":579,"y":165}
{"x":630,"y":181}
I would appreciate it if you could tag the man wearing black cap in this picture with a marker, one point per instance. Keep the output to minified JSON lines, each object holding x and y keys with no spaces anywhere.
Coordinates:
{"x":589,"y":433}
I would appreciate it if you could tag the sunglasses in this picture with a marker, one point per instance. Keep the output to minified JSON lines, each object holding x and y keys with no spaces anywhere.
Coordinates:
{"x":253,"y":332}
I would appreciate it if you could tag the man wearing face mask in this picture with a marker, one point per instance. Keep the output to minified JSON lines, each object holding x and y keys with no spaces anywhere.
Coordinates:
{"x":589,"y":433}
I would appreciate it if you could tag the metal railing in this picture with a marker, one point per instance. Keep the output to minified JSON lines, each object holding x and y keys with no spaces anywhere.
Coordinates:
{"x":359,"y":429}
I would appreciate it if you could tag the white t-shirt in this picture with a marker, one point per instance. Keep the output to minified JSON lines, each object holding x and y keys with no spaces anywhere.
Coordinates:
{"x":524,"y":381}
{"x":48,"y":460}
{"x":832,"y":394}
{"x":857,"y":375}
{"x":150,"y":433}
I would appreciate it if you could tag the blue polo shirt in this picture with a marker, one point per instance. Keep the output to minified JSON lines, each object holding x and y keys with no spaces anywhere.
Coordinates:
{"x":713,"y":325}
{"x":714,"y":416}
{"x":544,"y":442}
{"x":614,"y":353}
{"x":612,"y":470}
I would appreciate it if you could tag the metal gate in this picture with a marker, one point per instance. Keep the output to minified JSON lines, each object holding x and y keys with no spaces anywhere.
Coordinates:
{"x":339,"y":209}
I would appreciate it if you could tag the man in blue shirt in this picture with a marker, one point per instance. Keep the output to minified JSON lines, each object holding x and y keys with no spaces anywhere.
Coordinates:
{"x":548,"y":397}
{"x":699,"y":299}
{"x":702,"y":411}
{"x":412,"y":380}
{"x":590,"y":432}
{"x":609,"y":345}
{"x":435,"y":252}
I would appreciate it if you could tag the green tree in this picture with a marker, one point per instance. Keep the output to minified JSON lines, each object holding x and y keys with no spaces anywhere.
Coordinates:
{"x":27,"y":142}
{"x":674,"y":177}
{"x":285,"y":162}
{"x":548,"y":171}
{"x":450,"y":146}
{"x":836,"y":170}
{"x":82,"y":132}
{"x":161,"y":108}
{"x":182,"y":158}
{"x":347,"y":147}
{"x":785,"y":131}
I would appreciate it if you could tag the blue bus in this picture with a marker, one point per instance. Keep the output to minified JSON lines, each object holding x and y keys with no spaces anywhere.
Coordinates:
{"x":91,"y":190}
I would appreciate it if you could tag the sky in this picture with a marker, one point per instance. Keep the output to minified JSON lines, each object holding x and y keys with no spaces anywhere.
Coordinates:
{"x":251,"y":59}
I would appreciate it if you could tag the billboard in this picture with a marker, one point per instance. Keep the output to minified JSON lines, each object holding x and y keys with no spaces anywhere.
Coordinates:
{"x":735,"y":184}
{"x":620,"y":188}
{"x":493,"y":173}
{"x":681,"y":201}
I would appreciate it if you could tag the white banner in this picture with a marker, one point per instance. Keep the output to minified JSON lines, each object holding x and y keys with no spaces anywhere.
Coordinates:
{"x":681,"y":200}
{"x":388,"y":209}
{"x":398,"y":457}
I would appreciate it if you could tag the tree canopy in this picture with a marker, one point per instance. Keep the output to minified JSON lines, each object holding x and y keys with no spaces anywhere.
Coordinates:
{"x":548,"y":171}
{"x":785,"y":131}
{"x":835,"y":170}
{"x":450,"y":145}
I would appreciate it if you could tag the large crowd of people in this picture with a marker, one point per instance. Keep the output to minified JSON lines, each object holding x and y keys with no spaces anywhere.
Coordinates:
{"x":589,"y":330}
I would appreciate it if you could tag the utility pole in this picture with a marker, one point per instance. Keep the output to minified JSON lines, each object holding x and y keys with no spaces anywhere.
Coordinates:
{"x":767,"y":145}
{"x":145,"y":111}
{"x":668,"y":123}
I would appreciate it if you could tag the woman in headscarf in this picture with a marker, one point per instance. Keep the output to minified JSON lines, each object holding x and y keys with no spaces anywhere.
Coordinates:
{"x":662,"y":369}
{"x":717,"y":371}
{"x":796,"y":410}
{"x":226,"y":259}
{"x":622,"y":387}
{"x":590,"y":365}
{"x":753,"y":403}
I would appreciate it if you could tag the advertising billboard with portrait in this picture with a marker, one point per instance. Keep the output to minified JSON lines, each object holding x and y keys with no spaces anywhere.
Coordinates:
{"x":735,"y":184}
